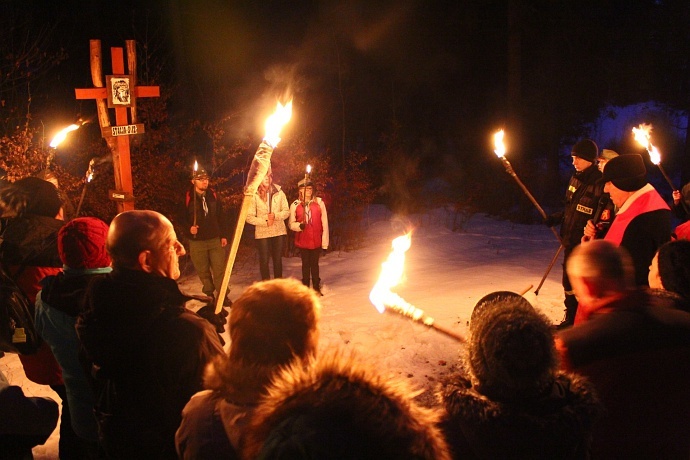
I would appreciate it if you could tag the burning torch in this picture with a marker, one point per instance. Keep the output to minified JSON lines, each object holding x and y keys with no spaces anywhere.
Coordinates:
{"x":88,"y":177}
{"x":59,"y":137}
{"x":306,"y":179}
{"x":385,"y":300}
{"x":500,"y":151}
{"x":257,"y":172}
{"x":643,"y":135}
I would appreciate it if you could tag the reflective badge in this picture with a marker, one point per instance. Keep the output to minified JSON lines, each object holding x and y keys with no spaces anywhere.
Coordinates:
{"x":584,"y":209}
{"x":605,"y":214}
{"x":572,"y":189}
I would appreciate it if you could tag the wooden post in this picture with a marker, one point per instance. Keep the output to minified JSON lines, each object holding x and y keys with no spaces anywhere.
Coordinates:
{"x":118,"y":143}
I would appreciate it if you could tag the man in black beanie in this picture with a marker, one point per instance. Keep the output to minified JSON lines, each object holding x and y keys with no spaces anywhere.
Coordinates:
{"x":581,"y":201}
{"x":643,"y":219}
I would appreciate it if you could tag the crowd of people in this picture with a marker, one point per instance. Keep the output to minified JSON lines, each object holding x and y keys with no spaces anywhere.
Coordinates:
{"x":140,"y":375}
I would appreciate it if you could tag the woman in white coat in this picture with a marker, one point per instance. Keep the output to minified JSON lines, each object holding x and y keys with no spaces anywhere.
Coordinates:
{"x":267,"y":213}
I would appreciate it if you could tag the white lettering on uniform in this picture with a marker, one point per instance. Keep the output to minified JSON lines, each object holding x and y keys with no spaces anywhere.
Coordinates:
{"x":584,"y":209}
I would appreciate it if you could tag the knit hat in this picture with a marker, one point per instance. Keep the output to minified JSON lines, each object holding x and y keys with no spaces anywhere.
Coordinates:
{"x":626,"y":172}
{"x":81,"y":243}
{"x":31,"y":195}
{"x":511,"y":350}
{"x":586,"y":149}
{"x":607,"y":154}
{"x":200,"y":174}
{"x":674,"y":267}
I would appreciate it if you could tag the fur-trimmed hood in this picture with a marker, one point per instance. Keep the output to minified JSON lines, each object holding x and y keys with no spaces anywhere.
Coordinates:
{"x":339,"y":407}
{"x":556,"y":424}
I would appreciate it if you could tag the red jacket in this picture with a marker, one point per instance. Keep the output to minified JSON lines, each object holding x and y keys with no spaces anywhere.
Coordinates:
{"x":314,"y":216}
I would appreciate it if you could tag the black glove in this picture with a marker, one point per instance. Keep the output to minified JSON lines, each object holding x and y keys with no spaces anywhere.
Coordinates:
{"x":208,"y":312}
{"x":302,"y":225}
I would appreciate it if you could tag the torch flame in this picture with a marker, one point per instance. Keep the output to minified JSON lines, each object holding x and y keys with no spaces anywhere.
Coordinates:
{"x":391,"y":274}
{"x":276,"y":121}
{"x":196,"y":166}
{"x":59,"y":137}
{"x":308,"y":169}
{"x":643,"y":135}
{"x":654,"y":155}
{"x":499,"y":146}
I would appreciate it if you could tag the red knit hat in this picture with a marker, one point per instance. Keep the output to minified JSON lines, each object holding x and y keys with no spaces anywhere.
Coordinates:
{"x":81,"y":243}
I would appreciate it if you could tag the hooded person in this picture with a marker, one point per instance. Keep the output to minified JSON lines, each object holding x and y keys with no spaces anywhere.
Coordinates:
{"x":643,"y":219}
{"x":81,"y":245}
{"x":341,"y":407}
{"x":272,"y":324}
{"x":510,"y":400}
{"x":309,"y":221}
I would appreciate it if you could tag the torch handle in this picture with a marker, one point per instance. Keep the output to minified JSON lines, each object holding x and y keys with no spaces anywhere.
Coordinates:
{"x":509,"y":170}
{"x":81,"y":200}
{"x":673,"y":187}
{"x":244,"y":210}
{"x":448,"y":333}
{"x":548,"y":269}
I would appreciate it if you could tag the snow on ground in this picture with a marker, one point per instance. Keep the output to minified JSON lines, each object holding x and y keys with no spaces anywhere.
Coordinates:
{"x":446,"y":273}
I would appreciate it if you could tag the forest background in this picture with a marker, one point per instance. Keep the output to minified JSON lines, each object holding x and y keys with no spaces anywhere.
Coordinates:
{"x":394,"y":103}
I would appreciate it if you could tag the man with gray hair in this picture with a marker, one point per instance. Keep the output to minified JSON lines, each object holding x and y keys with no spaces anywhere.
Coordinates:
{"x":635,"y":349}
{"x":148,"y":352}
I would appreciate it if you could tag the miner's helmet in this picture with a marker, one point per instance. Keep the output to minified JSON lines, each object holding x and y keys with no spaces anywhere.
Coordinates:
{"x":200,"y":174}
{"x":305,"y":183}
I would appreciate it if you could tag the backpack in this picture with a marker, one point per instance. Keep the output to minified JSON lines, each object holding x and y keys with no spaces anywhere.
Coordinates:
{"x":17,"y":331}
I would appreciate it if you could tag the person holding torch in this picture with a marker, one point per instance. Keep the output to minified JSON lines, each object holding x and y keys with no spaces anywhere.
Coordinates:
{"x":207,"y":227}
{"x":309,"y":221}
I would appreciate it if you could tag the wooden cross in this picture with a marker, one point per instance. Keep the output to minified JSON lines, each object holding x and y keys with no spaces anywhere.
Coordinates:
{"x":118,"y":141}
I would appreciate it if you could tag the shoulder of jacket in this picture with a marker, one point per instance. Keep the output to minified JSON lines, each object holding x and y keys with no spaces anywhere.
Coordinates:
{"x":296,"y":202}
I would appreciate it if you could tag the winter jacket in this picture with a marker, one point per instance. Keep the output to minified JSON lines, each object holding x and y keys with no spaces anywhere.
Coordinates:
{"x":341,"y":408}
{"x":641,"y":226}
{"x":581,"y":200}
{"x":258,"y":211}
{"x":315,"y":232}
{"x":215,"y":224}
{"x":148,"y":354}
{"x":555,"y":425}
{"x":636,"y":352}
{"x":57,"y":306}
{"x":29,"y":250}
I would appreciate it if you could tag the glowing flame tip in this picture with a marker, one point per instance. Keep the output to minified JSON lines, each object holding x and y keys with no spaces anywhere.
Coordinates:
{"x":499,"y":146}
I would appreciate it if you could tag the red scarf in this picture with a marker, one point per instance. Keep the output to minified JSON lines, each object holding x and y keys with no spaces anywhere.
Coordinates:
{"x":647,"y":202}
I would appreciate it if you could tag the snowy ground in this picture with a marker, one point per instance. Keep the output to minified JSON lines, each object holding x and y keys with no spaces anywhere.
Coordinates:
{"x":446,"y":271}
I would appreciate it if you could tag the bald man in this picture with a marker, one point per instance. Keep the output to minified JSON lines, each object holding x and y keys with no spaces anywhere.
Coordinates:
{"x":148,"y":351}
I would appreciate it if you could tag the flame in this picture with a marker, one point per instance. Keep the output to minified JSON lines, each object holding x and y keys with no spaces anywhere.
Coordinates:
{"x":643,"y":135}
{"x":196,"y":166}
{"x":59,"y":137}
{"x":654,"y":155}
{"x":276,"y":121}
{"x":499,"y":146}
{"x":308,"y":169}
{"x":391,"y":274}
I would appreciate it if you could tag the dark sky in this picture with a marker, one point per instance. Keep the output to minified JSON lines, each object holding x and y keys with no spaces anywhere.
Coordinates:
{"x":436,"y":68}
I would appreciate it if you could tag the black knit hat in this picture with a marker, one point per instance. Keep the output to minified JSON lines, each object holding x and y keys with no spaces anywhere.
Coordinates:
{"x":674,"y":267}
{"x":626,"y":172}
{"x":586,"y":149}
{"x":511,"y":350}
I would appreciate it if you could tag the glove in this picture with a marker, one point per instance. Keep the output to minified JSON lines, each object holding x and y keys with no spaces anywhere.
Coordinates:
{"x":324,"y":251}
{"x":208,"y":312}
{"x":302,"y":225}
